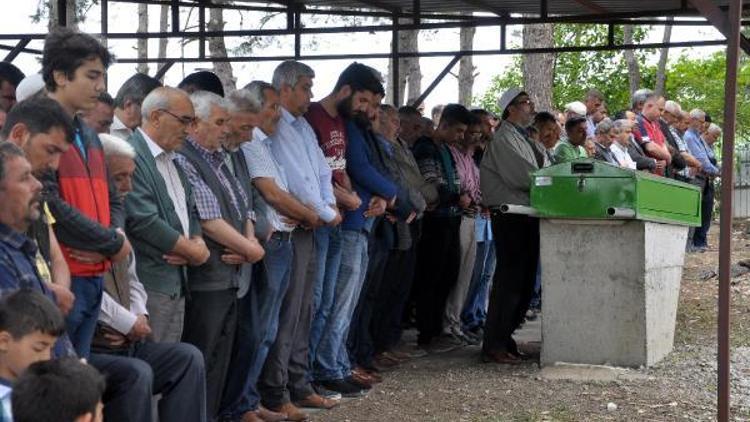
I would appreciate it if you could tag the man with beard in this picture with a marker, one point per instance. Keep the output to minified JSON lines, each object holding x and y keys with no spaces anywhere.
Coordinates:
{"x":505,"y":177}
{"x":355,"y":92}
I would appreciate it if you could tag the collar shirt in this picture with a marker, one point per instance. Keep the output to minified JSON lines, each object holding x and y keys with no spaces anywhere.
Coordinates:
{"x":166,"y":167}
{"x":295,"y":147}
{"x":590,"y":127}
{"x":262,"y":164}
{"x":682,"y":147}
{"x":622,"y":156}
{"x":117,"y":316}
{"x":119,"y":129}
{"x":701,"y":151}
{"x":468,"y":174}
{"x":18,"y":270}
{"x":205,"y":199}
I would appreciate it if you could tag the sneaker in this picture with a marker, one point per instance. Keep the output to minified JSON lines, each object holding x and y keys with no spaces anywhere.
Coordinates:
{"x":410,"y":351}
{"x":326,"y":393}
{"x":344,"y":388}
{"x":444,"y":344}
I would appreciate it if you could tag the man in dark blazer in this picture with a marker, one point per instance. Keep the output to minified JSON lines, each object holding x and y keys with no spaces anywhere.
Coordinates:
{"x":161,"y":222}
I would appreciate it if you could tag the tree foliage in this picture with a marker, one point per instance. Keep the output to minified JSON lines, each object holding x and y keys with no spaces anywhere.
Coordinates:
{"x":577,"y":72}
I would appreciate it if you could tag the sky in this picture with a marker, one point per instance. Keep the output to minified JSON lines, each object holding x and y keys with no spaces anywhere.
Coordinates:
{"x":123,"y":18}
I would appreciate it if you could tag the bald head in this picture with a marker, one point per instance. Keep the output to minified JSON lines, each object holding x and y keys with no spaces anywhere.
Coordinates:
{"x":167,"y":115}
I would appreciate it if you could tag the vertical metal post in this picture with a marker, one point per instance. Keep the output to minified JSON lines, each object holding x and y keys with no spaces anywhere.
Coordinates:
{"x":62,"y":12}
{"x":201,"y":31}
{"x":297,"y":31}
{"x":175,"y":16}
{"x":727,"y":211}
{"x":610,"y":35}
{"x":503,"y":38}
{"x":105,"y":18}
{"x":395,"y":77}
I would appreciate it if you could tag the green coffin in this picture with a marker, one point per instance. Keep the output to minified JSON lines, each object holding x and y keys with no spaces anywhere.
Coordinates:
{"x":592,"y":189}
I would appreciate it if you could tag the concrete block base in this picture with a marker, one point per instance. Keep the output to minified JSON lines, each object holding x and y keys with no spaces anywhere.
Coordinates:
{"x":610,"y":290}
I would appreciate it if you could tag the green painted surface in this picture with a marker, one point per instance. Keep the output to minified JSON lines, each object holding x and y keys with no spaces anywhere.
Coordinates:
{"x":588,"y":188}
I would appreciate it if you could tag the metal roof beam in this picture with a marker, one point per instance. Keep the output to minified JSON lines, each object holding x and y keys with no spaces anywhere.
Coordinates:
{"x":593,"y":7}
{"x":720,"y":19}
{"x":486,"y":7}
{"x":379,"y":5}
{"x":18,"y":49}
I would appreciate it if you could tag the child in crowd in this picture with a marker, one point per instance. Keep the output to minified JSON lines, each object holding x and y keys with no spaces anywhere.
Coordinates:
{"x":29,"y":327}
{"x":60,"y":390}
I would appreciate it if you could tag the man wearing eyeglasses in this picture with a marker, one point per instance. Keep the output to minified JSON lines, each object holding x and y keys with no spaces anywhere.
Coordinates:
{"x":164,"y":232}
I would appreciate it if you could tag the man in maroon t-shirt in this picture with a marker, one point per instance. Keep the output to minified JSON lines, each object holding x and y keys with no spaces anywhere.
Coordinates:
{"x":350,"y":98}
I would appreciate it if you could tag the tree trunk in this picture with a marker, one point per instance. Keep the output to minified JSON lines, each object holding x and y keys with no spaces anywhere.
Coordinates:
{"x":142,"y":43}
{"x":661,"y":68}
{"x":70,"y":14}
{"x":408,"y":68}
{"x":538,"y":69}
{"x":217,"y":48}
{"x":163,"y":27}
{"x":634,"y":71}
{"x":466,"y":67}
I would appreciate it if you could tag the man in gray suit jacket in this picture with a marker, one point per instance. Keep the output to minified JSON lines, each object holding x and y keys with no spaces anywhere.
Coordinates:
{"x":161,"y":222}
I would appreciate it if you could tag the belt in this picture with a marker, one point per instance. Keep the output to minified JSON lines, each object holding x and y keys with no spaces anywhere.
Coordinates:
{"x":285,"y":236}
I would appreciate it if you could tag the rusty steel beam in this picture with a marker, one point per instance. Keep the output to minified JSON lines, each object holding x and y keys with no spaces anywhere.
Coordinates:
{"x":720,"y":19}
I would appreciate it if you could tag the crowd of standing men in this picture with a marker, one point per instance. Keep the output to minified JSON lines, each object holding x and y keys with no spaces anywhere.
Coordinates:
{"x":246,"y":255}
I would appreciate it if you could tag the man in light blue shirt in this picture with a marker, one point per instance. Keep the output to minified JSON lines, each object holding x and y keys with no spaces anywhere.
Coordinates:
{"x":295,"y":147}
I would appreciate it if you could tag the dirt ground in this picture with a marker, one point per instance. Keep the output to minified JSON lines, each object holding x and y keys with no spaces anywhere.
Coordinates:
{"x":457,"y":387}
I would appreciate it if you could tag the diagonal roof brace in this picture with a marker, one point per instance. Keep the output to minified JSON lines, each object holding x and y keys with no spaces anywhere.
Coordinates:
{"x":718,"y":18}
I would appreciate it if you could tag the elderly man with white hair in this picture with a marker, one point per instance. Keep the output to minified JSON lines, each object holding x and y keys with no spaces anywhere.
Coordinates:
{"x":670,"y":117}
{"x":225,"y":212}
{"x":705,"y":154}
{"x":165,"y":234}
{"x":175,"y":370}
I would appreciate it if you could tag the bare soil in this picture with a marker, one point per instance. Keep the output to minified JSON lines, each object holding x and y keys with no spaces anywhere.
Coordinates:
{"x":457,"y":387}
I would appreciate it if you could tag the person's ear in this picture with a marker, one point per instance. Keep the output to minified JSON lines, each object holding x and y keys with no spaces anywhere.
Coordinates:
{"x":88,"y":417}
{"x":344,"y":92}
{"x":19,"y":134}
{"x":5,"y":340}
{"x":60,"y":78}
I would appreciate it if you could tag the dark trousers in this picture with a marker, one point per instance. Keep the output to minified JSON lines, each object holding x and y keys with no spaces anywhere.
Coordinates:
{"x":398,"y":279}
{"x":700,"y":237}
{"x":360,"y":342}
{"x":438,"y":259}
{"x":174,"y":370}
{"x":259,"y":323}
{"x":517,"y":246}
{"x":211,"y":325}
{"x":284,"y":376}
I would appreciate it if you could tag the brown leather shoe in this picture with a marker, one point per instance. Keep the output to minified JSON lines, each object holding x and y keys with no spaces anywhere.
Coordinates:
{"x":251,"y":416}
{"x":367,"y":376}
{"x":316,"y":401}
{"x":292,"y":412}
{"x":269,"y":415}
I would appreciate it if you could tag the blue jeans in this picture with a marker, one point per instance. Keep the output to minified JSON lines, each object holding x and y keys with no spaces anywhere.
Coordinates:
{"x":81,"y":321}
{"x":259,"y":323}
{"x":328,"y":259}
{"x":332,"y":360}
{"x":475,"y":308}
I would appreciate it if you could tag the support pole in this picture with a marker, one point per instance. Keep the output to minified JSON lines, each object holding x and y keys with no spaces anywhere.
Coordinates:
{"x":395,"y":58}
{"x":437,"y":80}
{"x":727,"y":189}
{"x":62,"y":13}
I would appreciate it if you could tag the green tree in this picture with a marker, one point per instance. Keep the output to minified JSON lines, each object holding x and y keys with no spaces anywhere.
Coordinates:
{"x":577,"y":72}
{"x":699,"y":83}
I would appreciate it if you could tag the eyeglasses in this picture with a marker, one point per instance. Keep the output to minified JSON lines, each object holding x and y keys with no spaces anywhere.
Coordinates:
{"x":184,"y":120}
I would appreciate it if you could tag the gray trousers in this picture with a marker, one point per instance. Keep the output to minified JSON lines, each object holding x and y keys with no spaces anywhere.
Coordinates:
{"x":456,"y":299}
{"x":166,"y":315}
{"x":284,"y":376}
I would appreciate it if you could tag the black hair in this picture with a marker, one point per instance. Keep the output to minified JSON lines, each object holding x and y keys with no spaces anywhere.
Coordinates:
{"x":135,"y":89}
{"x":620,"y":115}
{"x":708,"y":118}
{"x":66,"y":50}
{"x":455,"y":114}
{"x":409,"y":111}
{"x":27,"y":311}
{"x":203,"y":81}
{"x":106,"y":99}
{"x":573,"y":122}
{"x":8,"y":150}
{"x":40,"y":114}
{"x":360,"y":77}
{"x":480,"y":112}
{"x":544,"y":117}
{"x":10,"y":73}
{"x":473,"y":119}
{"x":58,"y":390}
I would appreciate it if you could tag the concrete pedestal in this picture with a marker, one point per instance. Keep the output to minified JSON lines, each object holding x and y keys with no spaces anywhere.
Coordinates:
{"x":610,"y":290}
